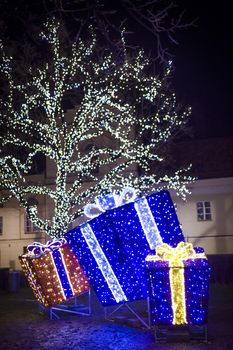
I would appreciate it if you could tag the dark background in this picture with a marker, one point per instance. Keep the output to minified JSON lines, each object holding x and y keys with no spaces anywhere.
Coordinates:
{"x":202,"y":58}
{"x":204,"y":67}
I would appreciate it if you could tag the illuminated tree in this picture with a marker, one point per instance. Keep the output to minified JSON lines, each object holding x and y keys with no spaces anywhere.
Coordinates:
{"x":114,"y":98}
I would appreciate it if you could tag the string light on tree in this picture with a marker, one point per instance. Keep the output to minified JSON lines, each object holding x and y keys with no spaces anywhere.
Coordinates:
{"x":117,"y":98}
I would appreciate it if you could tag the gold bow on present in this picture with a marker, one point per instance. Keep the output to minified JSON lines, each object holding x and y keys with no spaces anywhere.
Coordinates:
{"x":175,"y":257}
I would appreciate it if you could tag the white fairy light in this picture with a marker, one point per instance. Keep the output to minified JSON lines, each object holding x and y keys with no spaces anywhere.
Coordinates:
{"x":111,"y":96}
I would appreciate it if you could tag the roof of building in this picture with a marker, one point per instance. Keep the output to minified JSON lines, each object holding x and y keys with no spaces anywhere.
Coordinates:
{"x":210,"y":158}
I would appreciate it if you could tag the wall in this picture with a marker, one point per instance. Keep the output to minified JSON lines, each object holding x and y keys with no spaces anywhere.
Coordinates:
{"x":215,"y":236}
{"x":14,"y":239}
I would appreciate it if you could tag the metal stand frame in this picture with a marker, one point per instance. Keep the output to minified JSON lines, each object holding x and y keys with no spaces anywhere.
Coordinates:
{"x":187,"y":333}
{"x":73,"y":308}
{"x":142,"y":321}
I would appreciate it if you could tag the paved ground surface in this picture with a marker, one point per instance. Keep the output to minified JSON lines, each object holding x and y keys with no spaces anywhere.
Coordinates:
{"x":23,"y":327}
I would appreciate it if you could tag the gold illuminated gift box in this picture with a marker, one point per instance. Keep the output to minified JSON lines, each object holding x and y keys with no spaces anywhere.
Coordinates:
{"x":179,"y":285}
{"x":53,"y":272}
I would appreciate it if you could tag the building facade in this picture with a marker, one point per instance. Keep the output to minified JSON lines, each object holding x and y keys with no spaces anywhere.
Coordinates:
{"x":206,"y":216}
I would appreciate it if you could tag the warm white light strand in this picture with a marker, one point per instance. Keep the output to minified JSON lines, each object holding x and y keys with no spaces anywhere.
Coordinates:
{"x":111,"y":96}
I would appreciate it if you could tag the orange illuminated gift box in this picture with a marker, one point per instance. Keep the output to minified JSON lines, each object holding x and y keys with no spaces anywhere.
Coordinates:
{"x":53,"y":272}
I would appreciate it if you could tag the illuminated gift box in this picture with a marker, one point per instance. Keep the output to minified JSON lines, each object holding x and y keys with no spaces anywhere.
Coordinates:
{"x":179,"y":285}
{"x":112,"y":247}
{"x":53,"y":272}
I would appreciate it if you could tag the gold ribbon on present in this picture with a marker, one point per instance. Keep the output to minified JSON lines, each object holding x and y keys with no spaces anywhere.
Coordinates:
{"x":175,"y":257}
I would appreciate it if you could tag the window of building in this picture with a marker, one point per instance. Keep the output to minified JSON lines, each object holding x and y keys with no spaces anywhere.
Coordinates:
{"x":204,"y":211}
{"x":1,"y":225}
{"x":30,"y":227}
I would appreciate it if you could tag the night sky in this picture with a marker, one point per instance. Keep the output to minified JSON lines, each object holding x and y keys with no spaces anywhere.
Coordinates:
{"x":204,"y":68}
{"x":202,"y":60}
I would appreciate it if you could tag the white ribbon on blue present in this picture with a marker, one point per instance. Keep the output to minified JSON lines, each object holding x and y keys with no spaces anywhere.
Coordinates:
{"x":37,"y":249}
{"x":110,"y":201}
{"x":114,"y":200}
{"x":103,"y":263}
{"x":147,"y":221}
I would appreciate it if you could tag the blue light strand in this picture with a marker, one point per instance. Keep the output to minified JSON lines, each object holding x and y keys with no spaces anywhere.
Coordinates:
{"x":61,"y":271}
{"x":196,"y":276}
{"x":122,"y":239}
{"x":160,"y":294}
{"x":131,"y":276}
{"x":103,"y":263}
{"x":164,"y":213}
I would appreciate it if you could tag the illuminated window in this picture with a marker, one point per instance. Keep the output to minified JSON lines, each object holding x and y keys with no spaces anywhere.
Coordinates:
{"x":30,"y":227}
{"x":204,"y":211}
{"x":1,"y":225}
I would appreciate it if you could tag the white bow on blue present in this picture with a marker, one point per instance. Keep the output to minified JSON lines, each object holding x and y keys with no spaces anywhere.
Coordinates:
{"x":110,"y":201}
{"x":37,"y":249}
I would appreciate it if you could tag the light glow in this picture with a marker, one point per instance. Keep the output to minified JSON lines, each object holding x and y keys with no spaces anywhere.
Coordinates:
{"x":103,"y":263}
{"x":113,"y":246}
{"x":169,"y":266}
{"x":148,"y":223}
{"x":54,"y":276}
{"x":117,"y":101}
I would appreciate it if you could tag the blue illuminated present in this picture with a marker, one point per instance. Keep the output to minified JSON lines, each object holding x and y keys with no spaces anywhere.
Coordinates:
{"x":169,"y":303}
{"x":112,"y":247}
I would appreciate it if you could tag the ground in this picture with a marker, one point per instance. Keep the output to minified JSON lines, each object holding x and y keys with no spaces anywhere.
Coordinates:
{"x":22,"y":326}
